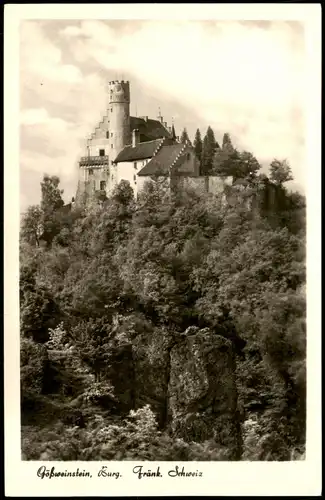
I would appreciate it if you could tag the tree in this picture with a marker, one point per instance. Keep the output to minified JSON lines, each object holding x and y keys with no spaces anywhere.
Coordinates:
{"x":210,"y":146}
{"x":173,"y":133}
{"x":239,"y":165}
{"x":38,"y":313}
{"x":227,"y":144}
{"x":248,"y":166}
{"x":280,"y":172}
{"x":185,"y":138}
{"x":51,"y":203}
{"x":32,"y":225}
{"x":198,"y":145}
{"x":51,"y":194}
{"x":32,"y":363}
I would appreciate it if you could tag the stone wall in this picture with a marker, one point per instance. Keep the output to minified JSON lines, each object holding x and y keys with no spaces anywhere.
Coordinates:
{"x":217,"y":184}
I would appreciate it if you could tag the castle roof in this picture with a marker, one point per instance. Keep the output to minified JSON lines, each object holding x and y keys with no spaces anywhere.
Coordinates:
{"x":141,"y":151}
{"x":149,"y":129}
{"x":168,"y":156}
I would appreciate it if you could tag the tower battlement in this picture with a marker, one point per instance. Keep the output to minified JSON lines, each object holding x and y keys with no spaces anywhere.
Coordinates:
{"x":119,"y":91}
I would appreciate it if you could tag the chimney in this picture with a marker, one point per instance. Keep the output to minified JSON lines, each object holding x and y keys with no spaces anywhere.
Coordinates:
{"x":165,"y":124}
{"x":135,"y":137}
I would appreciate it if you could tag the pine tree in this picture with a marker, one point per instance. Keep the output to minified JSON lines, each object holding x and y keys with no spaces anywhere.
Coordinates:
{"x":198,"y":145}
{"x":185,"y":138}
{"x":227,"y":144}
{"x":210,"y":146}
{"x":173,"y":133}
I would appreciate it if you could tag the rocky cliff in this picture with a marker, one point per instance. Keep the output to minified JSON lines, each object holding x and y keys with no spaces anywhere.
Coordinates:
{"x":188,"y":380}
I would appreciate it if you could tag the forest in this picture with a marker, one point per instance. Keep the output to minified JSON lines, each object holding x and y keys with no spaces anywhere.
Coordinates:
{"x":96,"y":281}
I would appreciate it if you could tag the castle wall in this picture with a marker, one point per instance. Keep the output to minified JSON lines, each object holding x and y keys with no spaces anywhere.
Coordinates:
{"x":98,"y":143}
{"x":94,"y":179}
{"x":209,"y":184}
{"x":128,"y":171}
{"x":185,"y":182}
{"x":142,"y":180}
{"x":217,"y":184}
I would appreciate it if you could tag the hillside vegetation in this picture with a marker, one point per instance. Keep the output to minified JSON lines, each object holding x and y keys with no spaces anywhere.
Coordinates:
{"x":93,"y":277}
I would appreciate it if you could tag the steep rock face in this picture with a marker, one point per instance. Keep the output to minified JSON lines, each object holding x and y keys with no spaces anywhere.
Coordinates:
{"x":188,"y":380}
{"x":202,"y":395}
{"x":121,"y":374}
{"x":151,"y":371}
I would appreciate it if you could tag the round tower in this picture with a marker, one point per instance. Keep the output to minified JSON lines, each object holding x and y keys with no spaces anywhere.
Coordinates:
{"x":119,"y":116}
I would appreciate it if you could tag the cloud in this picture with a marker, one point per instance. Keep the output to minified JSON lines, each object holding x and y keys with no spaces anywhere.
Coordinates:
{"x":41,"y":59}
{"x":40,"y":116}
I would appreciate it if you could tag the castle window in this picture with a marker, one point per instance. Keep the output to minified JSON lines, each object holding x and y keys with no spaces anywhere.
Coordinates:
{"x":107,"y":134}
{"x":102,"y":185}
{"x":90,"y":171}
{"x":111,"y":134}
{"x":111,"y":110}
{"x":112,"y":146}
{"x":135,"y":179}
{"x":102,"y":152}
{"x":135,"y":165}
{"x":188,"y":157}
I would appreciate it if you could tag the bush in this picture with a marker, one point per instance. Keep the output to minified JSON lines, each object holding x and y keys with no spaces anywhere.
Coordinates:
{"x":135,"y":438}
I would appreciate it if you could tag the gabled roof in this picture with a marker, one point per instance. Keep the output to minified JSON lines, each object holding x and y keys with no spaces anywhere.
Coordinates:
{"x":149,"y":129}
{"x":160,"y":164}
{"x":141,"y":151}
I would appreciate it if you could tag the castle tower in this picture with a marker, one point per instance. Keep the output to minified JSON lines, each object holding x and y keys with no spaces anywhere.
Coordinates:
{"x":96,"y":170}
{"x":119,"y":116}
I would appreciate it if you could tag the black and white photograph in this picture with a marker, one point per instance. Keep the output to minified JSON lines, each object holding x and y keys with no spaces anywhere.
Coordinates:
{"x":162,"y":205}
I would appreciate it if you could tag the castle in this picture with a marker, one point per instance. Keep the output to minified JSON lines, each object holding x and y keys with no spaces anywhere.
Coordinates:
{"x":138,"y":150}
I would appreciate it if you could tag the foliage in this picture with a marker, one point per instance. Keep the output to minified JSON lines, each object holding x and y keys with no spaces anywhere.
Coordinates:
{"x":123,"y":268}
{"x":136,"y":439}
{"x":280,"y":172}
{"x":209,"y":149}
{"x":33,"y":357}
{"x":239,"y":165}
{"x":185,"y":138}
{"x":226,"y":143}
{"x":198,"y":145}
{"x":32,"y":226}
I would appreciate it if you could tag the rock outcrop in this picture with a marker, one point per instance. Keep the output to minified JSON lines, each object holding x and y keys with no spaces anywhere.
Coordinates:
{"x":202,"y":394}
{"x":188,"y":380}
{"x":151,"y":357}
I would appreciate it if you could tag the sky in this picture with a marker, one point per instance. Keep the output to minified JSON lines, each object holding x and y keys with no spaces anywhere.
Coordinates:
{"x":246,"y":78}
